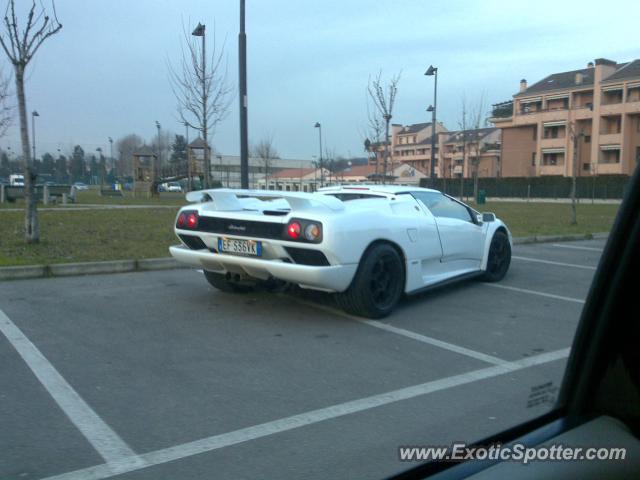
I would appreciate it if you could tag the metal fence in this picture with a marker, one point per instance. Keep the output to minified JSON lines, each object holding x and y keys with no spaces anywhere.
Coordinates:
{"x":597,"y":187}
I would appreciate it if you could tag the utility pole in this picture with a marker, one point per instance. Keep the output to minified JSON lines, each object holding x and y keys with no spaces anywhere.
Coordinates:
{"x":244,"y":137}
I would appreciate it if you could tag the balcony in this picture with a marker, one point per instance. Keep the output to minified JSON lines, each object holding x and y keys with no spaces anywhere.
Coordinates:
{"x":610,"y":139}
{"x":559,"y":142}
{"x":551,"y":170}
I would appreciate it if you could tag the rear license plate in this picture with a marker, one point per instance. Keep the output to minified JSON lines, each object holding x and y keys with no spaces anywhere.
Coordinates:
{"x":240,"y":247}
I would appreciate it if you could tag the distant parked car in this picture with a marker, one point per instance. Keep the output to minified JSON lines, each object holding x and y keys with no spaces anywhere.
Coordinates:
{"x":16,"y":180}
{"x":81,"y":186}
{"x":170,"y":187}
{"x":174,"y":187}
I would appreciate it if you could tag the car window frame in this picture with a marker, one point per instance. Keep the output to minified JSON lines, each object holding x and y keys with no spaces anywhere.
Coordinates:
{"x":473,"y":215}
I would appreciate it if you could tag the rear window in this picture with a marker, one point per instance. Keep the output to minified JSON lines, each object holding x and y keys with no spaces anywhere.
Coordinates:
{"x":345,"y":197}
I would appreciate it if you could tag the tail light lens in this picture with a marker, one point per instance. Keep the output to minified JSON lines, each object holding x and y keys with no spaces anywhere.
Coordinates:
{"x":293,"y":230}
{"x":302,"y":230}
{"x":312,"y":232}
{"x":187,"y":220}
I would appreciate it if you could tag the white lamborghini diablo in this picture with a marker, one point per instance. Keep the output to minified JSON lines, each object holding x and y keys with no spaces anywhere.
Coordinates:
{"x":368,"y":244}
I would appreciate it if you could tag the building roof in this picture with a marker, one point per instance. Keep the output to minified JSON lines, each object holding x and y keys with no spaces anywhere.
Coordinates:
{"x":197,"y":143}
{"x":416,"y":127}
{"x":357,"y":171}
{"x":562,"y":80}
{"x":292,"y":173}
{"x":144,"y":151}
{"x":470,"y":134}
{"x":565,"y":80}
{"x":627,"y":70}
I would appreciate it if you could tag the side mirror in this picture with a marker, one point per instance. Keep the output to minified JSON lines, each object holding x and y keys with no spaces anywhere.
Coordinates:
{"x":488,"y":217}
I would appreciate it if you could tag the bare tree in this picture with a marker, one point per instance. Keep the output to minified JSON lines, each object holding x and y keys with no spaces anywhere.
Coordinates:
{"x":20,"y":48}
{"x":201,"y":89}
{"x":383,"y":97}
{"x":126,"y":146}
{"x":373,"y":133}
{"x":6,"y":107}
{"x":478,"y":116}
{"x":463,"y":124}
{"x":266,"y":153}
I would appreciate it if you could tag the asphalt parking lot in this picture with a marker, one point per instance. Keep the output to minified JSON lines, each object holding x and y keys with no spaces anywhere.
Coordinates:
{"x":156,"y":375}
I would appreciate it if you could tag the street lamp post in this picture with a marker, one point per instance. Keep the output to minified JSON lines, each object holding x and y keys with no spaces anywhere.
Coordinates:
{"x":34,"y":114}
{"x":433,"y":71}
{"x":100,"y":166}
{"x":111,"y":152}
{"x":242,"y":67}
{"x":156,"y":166}
{"x":200,"y":31}
{"x":319,"y":127}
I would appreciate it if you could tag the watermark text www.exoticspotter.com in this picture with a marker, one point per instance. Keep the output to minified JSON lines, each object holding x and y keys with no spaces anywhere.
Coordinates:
{"x":510,"y":453}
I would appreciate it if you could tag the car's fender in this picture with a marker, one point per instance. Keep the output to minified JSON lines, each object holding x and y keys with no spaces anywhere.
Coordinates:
{"x":492,"y":227}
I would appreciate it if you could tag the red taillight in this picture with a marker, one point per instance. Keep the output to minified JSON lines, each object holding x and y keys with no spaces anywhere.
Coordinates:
{"x":293,"y":230}
{"x":192,"y":220}
{"x":182,"y":218}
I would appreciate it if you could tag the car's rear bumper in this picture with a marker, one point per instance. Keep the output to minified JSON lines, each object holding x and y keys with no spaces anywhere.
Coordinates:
{"x":331,"y":278}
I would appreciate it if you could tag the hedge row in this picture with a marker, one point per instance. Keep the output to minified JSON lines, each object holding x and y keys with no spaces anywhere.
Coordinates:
{"x":600,"y":186}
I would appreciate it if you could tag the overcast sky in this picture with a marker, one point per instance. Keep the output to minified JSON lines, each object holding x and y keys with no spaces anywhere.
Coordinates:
{"x":105,"y":73}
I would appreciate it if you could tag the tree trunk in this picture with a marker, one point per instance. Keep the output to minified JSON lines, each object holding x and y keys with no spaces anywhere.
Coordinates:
{"x":386,"y":151}
{"x":31,"y":225}
{"x":574,"y":218}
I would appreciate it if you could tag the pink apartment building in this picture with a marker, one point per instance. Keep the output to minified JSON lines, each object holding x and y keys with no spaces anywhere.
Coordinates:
{"x":594,"y":111}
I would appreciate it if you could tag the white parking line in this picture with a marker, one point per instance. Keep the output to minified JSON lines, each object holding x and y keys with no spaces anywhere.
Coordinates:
{"x":409,"y":334}
{"x":106,"y":442}
{"x":534,"y":292}
{"x":549,"y":262}
{"x":235,"y":437}
{"x":433,"y":341}
{"x":577,"y":247}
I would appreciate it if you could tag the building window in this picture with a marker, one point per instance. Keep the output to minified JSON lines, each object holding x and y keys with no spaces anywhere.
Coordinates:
{"x":610,"y":156}
{"x":587,"y":139}
{"x":586,"y":166}
{"x":533,"y":159}
{"x":552,"y":159}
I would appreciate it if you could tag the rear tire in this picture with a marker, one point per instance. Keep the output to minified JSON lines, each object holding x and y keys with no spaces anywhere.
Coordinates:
{"x":377,"y":285}
{"x":499,"y":258}
{"x":218,"y":280}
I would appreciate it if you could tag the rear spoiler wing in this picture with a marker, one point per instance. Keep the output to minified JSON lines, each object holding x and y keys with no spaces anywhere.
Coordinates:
{"x":227,"y":199}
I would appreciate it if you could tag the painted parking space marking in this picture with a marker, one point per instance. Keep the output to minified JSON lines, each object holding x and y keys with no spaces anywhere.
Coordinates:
{"x":534,"y":292}
{"x":578,"y":247}
{"x":105,"y":441}
{"x":409,"y":334}
{"x":550,"y":262}
{"x":216,"y":442}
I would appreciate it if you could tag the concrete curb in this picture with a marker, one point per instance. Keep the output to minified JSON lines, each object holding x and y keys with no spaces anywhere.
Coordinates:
{"x":169,"y":263}
{"x":23,"y":272}
{"x":558,"y":238}
{"x":91,"y":268}
{"x":88,"y":268}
